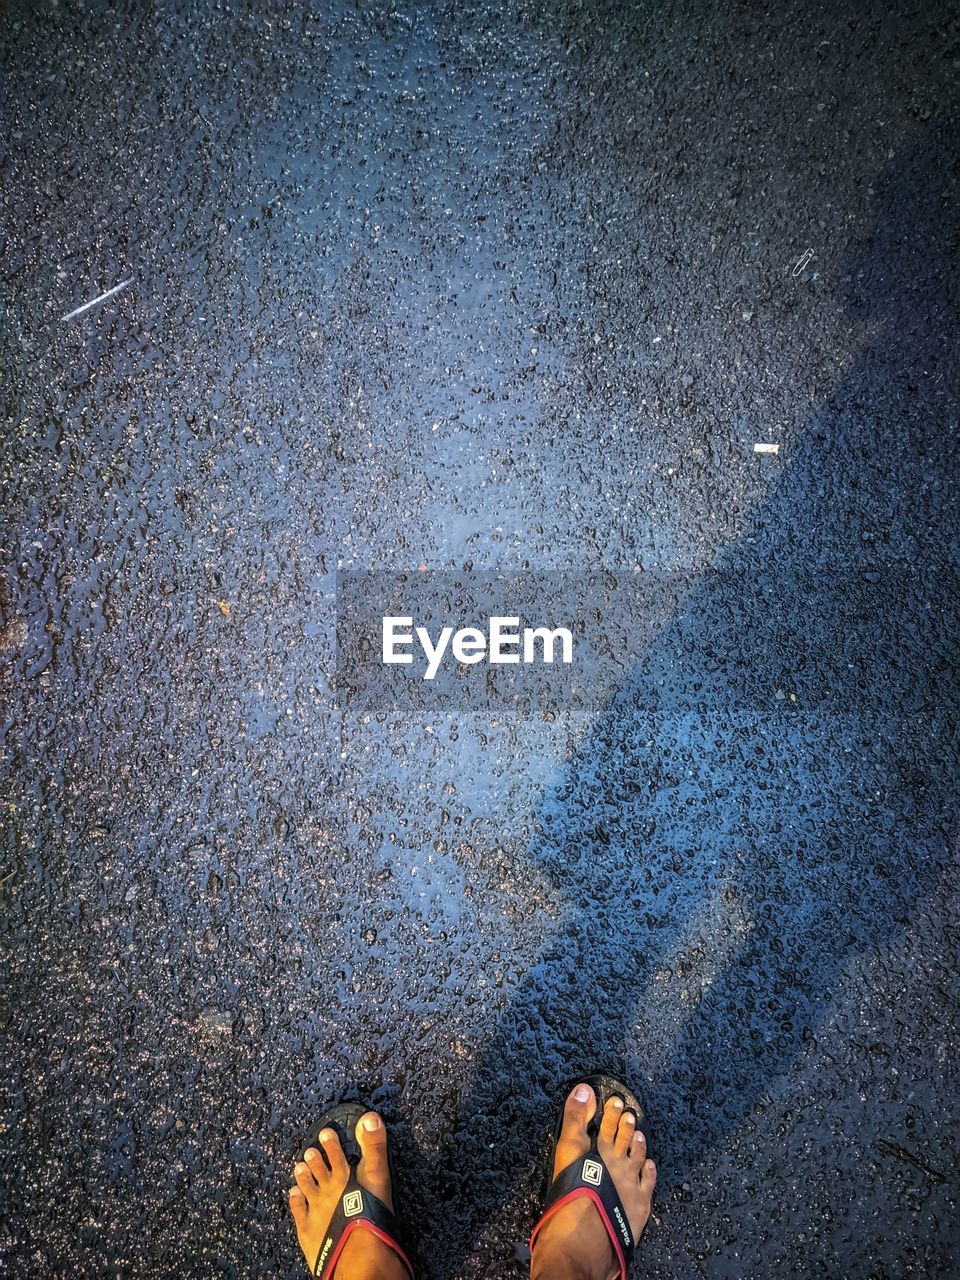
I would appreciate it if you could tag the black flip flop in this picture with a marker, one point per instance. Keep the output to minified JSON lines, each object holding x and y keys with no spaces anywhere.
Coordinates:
{"x":358,"y":1208}
{"x":589,"y":1176}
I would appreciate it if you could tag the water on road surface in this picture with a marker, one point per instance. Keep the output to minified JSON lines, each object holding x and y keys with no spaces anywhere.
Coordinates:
{"x":486,"y":287}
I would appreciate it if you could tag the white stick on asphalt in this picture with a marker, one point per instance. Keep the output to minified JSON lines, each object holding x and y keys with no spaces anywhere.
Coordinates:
{"x":103,"y":297}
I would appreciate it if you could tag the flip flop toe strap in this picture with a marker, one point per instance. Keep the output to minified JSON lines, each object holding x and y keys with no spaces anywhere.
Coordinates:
{"x":589,"y":1176}
{"x":358,"y":1209}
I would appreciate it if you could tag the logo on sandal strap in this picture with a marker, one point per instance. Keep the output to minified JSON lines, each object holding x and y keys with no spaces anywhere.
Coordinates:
{"x":624,"y":1229}
{"x":592,"y":1172}
{"x":352,"y":1204}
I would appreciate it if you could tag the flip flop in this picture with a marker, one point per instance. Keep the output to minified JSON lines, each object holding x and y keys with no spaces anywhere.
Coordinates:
{"x":589,"y":1176}
{"x":358,"y":1209}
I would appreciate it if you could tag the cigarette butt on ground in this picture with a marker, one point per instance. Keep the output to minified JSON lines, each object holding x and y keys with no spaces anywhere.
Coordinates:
{"x":762,"y":447}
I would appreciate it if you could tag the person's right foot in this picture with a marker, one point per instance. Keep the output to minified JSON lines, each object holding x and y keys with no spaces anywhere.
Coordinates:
{"x":321,"y":1178}
{"x":573,"y":1243}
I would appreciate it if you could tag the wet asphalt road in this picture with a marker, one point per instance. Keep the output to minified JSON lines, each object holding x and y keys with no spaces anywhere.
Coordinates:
{"x":449,"y":285}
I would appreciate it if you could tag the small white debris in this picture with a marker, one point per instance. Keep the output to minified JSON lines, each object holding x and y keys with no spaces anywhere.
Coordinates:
{"x":762,"y":447}
{"x":103,"y":297}
{"x":807,"y":257}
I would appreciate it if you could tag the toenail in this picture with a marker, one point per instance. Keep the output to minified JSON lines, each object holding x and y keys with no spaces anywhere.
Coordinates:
{"x":300,"y":1167}
{"x":371,"y":1123}
{"x":327,"y":1135}
{"x":582,"y":1093}
{"x":618,"y":1103}
{"x":631,"y":1117}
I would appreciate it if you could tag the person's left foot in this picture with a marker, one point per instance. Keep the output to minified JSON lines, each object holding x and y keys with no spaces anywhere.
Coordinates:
{"x":320,"y":1183}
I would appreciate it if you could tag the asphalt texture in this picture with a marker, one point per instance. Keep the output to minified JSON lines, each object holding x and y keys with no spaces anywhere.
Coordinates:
{"x":467,"y":284}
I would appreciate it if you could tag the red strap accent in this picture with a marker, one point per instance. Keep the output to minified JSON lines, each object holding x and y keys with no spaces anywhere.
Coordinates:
{"x":608,"y":1225}
{"x":381,"y":1235}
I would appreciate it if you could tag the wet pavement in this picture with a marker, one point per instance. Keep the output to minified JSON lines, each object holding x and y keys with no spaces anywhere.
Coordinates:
{"x":463,"y":285}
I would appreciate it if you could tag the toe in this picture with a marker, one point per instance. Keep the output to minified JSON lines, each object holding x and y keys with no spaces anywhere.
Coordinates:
{"x":374,"y":1170}
{"x":574,"y":1141}
{"x":372,"y":1137}
{"x":638,"y":1148}
{"x":339,"y":1167}
{"x":648,"y":1178}
{"x":298,"y":1207}
{"x":316,"y":1164}
{"x":578,"y":1111}
{"x":611,"y":1119}
{"x":625,"y":1132}
{"x":305,"y":1180}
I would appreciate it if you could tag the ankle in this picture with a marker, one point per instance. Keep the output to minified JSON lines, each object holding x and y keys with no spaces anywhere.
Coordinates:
{"x":573,"y":1245}
{"x":554,"y":1264}
{"x":366,"y":1257}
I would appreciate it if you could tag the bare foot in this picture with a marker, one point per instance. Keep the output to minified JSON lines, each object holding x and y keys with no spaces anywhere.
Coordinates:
{"x":573,"y":1244}
{"x":320,"y":1183}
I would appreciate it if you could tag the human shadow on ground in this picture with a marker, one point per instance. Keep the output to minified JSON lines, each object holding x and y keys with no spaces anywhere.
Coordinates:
{"x":769,"y":793}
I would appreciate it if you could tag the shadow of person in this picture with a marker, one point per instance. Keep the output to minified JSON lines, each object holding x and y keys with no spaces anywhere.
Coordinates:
{"x":769,"y":792}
